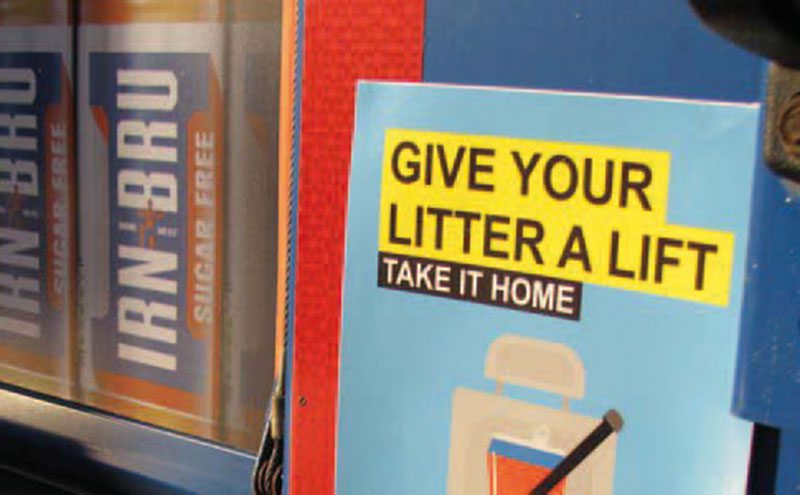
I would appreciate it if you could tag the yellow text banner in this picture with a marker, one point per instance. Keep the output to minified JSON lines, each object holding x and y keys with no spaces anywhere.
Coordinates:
{"x":579,"y":212}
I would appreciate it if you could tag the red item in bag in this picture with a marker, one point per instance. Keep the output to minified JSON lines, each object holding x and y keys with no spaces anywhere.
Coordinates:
{"x":516,"y":469}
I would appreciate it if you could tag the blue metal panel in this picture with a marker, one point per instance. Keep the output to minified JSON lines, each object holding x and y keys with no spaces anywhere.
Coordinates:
{"x":769,"y":360}
{"x":768,"y":374}
{"x":646,"y":47}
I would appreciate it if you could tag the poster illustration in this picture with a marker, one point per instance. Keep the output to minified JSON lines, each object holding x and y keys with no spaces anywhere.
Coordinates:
{"x":542,"y":293}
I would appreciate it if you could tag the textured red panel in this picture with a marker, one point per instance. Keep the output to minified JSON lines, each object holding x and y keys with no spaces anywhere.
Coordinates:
{"x":344,"y":40}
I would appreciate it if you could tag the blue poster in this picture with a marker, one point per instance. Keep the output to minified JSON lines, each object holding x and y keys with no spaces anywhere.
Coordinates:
{"x":542,"y":293}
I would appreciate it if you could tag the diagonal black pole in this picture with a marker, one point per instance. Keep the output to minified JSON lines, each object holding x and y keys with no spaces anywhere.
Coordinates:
{"x":612,"y":422}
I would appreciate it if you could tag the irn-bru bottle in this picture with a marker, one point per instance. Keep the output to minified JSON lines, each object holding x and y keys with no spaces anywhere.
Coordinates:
{"x":152,"y":194}
{"x":37,"y":187}
{"x":251,"y":217}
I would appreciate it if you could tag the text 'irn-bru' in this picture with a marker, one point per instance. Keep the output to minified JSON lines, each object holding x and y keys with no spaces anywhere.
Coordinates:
{"x":151,"y":211}
{"x":152,"y":149}
{"x":36,"y":208}
{"x":179,"y":211}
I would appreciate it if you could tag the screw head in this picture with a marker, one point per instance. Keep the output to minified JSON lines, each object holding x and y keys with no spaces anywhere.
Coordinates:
{"x":789,"y":127}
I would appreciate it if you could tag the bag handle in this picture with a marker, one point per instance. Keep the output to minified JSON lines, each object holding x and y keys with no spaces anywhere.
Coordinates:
{"x":537,"y":364}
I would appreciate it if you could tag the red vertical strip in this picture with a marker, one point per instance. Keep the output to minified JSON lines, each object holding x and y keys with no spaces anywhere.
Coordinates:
{"x":344,"y":41}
